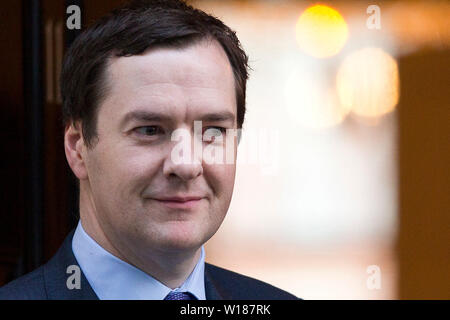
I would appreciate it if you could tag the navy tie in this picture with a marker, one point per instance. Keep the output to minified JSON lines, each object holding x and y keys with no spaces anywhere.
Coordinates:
{"x":176,"y":295}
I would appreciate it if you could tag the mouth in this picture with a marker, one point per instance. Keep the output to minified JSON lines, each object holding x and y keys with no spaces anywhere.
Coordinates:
{"x":180,"y":203}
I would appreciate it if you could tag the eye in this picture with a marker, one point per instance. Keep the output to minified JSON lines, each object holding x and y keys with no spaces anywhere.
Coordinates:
{"x":210,"y":133}
{"x":215,"y":131}
{"x":149,"y":130}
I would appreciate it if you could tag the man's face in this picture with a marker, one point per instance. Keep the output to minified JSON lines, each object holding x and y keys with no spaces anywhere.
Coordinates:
{"x":130,"y":169}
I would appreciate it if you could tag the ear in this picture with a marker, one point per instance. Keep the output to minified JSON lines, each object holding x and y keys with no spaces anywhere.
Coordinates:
{"x":75,"y":149}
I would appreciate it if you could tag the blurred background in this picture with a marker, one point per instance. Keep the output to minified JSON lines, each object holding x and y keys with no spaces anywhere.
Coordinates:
{"x":342,"y":187}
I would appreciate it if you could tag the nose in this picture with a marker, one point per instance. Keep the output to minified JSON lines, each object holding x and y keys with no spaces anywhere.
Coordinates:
{"x":184,"y":171}
{"x":186,"y":168}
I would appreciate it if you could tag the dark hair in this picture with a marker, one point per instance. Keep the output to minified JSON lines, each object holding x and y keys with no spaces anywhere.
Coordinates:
{"x":131,"y":30}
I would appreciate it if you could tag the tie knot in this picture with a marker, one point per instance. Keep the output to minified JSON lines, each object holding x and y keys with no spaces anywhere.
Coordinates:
{"x":175,"y":295}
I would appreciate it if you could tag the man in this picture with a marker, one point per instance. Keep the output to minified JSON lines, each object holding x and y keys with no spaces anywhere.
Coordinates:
{"x":129,"y":83}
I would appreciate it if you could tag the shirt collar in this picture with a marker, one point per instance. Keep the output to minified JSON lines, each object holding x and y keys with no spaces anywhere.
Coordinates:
{"x":114,"y":279}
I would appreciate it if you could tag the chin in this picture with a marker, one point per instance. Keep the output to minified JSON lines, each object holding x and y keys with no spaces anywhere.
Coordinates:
{"x":181,"y":239}
{"x":180,"y":244}
{"x":181,"y":235}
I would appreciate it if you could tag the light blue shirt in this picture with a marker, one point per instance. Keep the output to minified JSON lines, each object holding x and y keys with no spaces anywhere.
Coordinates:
{"x":113,"y":279}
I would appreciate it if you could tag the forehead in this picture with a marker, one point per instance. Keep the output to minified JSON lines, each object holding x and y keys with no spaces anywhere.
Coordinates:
{"x":181,"y":82}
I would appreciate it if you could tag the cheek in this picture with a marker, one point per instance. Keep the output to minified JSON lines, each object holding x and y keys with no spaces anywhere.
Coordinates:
{"x":140,"y":165}
{"x":221,"y":179}
{"x":123,"y":173}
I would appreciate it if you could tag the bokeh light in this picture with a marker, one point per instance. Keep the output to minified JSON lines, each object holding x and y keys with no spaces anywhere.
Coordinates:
{"x":368,"y":82}
{"x":321,"y":31}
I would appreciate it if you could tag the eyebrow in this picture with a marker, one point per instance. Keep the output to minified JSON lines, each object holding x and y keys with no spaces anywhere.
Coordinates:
{"x":220,"y":116}
{"x":151,"y":116}
{"x":144,"y":116}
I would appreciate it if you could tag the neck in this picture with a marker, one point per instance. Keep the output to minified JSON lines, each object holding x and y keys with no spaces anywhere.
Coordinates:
{"x":171,"y":268}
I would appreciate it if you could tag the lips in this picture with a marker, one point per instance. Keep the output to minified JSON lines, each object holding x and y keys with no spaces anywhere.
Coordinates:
{"x":189,"y":202}
{"x":180,"y":199}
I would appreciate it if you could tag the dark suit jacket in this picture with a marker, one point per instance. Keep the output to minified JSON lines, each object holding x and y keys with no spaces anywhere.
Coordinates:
{"x":48,"y":282}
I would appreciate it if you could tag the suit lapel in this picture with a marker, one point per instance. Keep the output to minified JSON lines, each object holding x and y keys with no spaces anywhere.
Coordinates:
{"x":212,"y":288}
{"x":55,"y":276}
